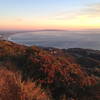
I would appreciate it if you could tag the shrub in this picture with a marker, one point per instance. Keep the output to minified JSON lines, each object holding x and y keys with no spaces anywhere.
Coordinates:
{"x":12,"y":87}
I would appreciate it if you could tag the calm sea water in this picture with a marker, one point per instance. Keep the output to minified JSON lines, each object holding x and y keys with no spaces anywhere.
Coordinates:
{"x":59,"y":39}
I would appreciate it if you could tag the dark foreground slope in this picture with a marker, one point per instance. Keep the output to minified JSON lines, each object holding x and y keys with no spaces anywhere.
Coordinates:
{"x":62,"y":74}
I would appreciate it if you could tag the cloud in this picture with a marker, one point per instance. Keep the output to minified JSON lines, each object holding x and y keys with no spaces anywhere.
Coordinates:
{"x":94,"y":8}
{"x":65,"y":15}
{"x":19,"y":19}
{"x":92,"y":11}
{"x":87,"y":17}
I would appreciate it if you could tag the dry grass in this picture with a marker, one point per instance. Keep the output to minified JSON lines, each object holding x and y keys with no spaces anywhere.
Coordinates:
{"x":12,"y":88}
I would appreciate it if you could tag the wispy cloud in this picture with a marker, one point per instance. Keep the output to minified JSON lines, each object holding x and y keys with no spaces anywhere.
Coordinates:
{"x":92,"y":10}
{"x":86,"y":17}
{"x":19,"y":19}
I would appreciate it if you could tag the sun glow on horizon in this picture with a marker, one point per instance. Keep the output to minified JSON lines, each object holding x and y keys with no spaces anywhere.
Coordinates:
{"x":85,"y":17}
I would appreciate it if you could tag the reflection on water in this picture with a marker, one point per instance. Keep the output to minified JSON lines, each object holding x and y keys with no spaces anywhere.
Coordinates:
{"x":59,"y":39}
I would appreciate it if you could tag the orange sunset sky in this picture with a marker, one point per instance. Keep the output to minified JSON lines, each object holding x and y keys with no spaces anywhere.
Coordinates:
{"x":49,"y":14}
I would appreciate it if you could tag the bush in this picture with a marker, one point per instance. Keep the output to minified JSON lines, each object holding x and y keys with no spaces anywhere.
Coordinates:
{"x":12,"y":87}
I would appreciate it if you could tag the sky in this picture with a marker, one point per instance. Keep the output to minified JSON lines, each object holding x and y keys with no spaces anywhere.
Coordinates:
{"x":49,"y":14}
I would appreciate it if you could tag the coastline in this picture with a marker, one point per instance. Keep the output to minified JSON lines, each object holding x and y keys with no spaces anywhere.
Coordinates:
{"x":84,"y":41}
{"x":6,"y":35}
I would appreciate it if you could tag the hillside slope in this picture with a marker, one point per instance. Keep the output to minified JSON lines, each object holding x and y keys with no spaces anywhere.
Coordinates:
{"x":62,"y":73}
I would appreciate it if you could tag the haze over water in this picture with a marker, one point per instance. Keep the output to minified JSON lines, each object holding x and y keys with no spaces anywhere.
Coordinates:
{"x":59,"y":39}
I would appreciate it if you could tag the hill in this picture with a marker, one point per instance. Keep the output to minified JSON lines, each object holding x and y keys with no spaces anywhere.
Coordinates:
{"x":69,"y":74}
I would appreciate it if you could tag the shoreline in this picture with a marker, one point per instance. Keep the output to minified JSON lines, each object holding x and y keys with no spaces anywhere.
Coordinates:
{"x":8,"y":36}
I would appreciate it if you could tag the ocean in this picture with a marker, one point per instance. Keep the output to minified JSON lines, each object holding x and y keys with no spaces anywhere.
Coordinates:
{"x":59,"y":39}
